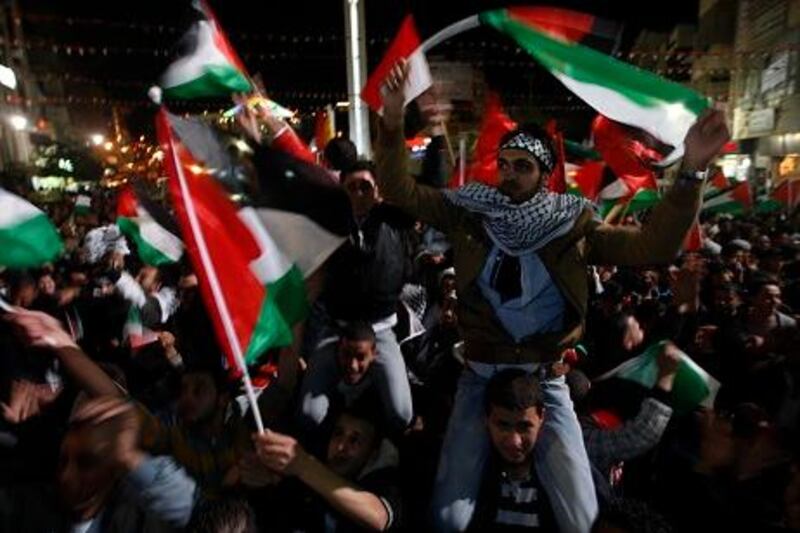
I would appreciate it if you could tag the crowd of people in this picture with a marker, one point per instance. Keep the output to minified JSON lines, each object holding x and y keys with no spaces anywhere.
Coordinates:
{"x":446,"y":378}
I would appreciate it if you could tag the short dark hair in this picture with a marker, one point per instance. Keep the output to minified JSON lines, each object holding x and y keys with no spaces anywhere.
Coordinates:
{"x":222,"y":516}
{"x":366,"y":410}
{"x":761,"y":280}
{"x":514,"y":389}
{"x":358,"y":166}
{"x":340,"y":153}
{"x":358,"y":331}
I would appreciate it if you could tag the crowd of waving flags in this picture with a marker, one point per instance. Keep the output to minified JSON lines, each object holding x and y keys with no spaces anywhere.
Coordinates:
{"x":252,"y":261}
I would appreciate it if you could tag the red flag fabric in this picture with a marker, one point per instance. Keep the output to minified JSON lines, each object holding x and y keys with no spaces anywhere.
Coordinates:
{"x":629,"y":158}
{"x":288,"y":142}
{"x":557,"y":182}
{"x":219,"y":244}
{"x":589,"y":179}
{"x":494,"y":126}
{"x":694,"y":239}
{"x":407,"y":45}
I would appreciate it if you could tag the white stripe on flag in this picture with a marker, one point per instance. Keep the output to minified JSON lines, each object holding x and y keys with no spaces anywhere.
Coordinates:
{"x":302,"y":240}
{"x":192,"y":67}
{"x":14,"y":210}
{"x":667,"y":122}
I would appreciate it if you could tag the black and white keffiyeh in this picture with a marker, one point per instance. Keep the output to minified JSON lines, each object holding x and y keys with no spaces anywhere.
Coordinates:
{"x":536,"y":147}
{"x":520,"y":228}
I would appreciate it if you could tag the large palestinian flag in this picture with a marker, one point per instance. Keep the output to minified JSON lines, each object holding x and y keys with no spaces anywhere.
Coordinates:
{"x":251,"y":274}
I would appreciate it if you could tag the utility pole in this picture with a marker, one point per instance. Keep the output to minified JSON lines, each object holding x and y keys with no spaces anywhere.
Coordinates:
{"x":355,"y":41}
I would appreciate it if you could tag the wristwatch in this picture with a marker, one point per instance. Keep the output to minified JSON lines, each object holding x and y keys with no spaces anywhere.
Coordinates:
{"x":698,"y":175}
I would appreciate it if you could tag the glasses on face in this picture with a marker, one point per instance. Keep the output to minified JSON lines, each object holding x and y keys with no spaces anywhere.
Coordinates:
{"x":519,"y":166}
{"x":359,"y":186}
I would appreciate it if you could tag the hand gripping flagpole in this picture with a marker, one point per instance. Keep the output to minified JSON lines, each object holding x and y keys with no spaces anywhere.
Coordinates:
{"x":216,"y":289}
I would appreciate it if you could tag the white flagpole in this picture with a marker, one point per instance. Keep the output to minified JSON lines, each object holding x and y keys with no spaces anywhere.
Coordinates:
{"x":216,"y":289}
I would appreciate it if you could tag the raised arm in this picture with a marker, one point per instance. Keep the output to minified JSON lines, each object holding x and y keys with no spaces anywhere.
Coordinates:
{"x":41,"y":330}
{"x":284,"y":455}
{"x":396,"y":184}
{"x":660,"y":239}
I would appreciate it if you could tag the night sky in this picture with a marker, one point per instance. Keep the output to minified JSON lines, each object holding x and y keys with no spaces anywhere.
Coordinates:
{"x":116,"y":50}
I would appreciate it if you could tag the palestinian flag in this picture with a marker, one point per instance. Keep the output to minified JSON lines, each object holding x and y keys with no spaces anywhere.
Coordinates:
{"x":784,"y":196}
{"x":734,"y":201}
{"x":208,"y":66}
{"x":134,"y":333}
{"x":149,"y":226}
{"x":27,"y":237}
{"x":716,"y":184}
{"x":251,"y":284}
{"x":406,"y":45}
{"x":307,"y":213}
{"x":617,"y":90}
{"x":595,"y":181}
{"x":83,"y":205}
{"x":692,"y":387}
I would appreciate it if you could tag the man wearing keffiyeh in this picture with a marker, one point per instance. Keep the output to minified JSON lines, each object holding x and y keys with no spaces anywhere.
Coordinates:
{"x":521,"y":257}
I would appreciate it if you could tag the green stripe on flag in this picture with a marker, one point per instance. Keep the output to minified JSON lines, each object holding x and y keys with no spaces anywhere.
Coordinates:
{"x":590,"y":66}
{"x":217,"y":80}
{"x":692,"y":386}
{"x":30,"y":243}
{"x":147,"y":253}
{"x":285,"y":305}
{"x":643,"y":199}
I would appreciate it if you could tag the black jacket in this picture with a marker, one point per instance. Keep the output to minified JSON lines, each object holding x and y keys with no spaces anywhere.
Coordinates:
{"x":365,"y":275}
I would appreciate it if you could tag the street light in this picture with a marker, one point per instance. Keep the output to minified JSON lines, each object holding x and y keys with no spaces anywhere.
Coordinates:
{"x":97,"y":138}
{"x":18,"y":122}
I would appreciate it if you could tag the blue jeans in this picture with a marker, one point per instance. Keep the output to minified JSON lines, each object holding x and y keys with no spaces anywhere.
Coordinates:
{"x":560,"y":455}
{"x":388,"y":374}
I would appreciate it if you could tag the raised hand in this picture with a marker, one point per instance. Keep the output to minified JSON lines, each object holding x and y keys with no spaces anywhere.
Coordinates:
{"x":394,"y":95}
{"x":704,"y":140}
{"x":280,"y":453}
{"x":39,"y":329}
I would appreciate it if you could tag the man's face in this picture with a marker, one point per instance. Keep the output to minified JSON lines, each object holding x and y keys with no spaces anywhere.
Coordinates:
{"x":198,"y":399}
{"x":47,"y":285}
{"x":354,"y":359}
{"x":360,"y":187}
{"x":514,"y":433}
{"x":726,"y":301}
{"x":351,"y":446}
{"x":520,"y":175}
{"x":86,"y":474}
{"x":769,"y":298}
